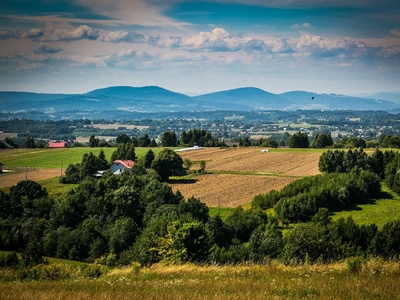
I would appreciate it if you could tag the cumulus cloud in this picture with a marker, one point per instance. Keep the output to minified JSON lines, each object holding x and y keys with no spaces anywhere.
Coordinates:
{"x":45,"y":48}
{"x":33,"y":33}
{"x":79,"y":33}
{"x":129,"y":58}
{"x":131,"y":37}
{"x":217,"y":40}
{"x":341,"y":49}
{"x":220,"y":40}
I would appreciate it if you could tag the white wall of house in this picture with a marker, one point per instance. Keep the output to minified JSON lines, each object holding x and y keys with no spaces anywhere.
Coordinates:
{"x":117,"y":167}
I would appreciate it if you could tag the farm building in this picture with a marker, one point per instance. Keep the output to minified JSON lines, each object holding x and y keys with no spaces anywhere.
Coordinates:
{"x":56,"y":144}
{"x":118,"y":166}
{"x":190,"y":149}
{"x":264,"y":151}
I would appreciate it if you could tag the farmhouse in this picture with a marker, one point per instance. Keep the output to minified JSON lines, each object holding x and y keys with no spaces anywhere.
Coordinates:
{"x":53,"y":144}
{"x":118,"y":166}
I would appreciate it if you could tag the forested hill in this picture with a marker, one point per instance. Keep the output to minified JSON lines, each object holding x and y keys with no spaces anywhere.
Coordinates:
{"x":157,"y":99}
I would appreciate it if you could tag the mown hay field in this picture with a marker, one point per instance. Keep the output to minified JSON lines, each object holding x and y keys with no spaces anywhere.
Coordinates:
{"x":239,"y":174}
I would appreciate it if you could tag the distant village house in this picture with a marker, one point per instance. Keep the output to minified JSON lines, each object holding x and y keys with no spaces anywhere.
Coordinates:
{"x":53,"y":144}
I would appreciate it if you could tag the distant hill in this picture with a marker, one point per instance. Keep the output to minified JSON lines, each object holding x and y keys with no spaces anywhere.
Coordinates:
{"x":157,"y":99}
{"x":393,"y":97}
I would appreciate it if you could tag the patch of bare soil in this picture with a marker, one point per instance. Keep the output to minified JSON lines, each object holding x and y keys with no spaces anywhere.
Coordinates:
{"x":12,"y":178}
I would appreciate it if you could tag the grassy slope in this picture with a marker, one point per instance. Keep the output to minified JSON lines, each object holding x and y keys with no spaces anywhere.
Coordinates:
{"x":379,"y":211}
{"x":376,"y":280}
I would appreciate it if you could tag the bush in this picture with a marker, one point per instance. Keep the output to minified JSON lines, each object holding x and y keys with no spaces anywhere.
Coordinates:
{"x":354,"y":265}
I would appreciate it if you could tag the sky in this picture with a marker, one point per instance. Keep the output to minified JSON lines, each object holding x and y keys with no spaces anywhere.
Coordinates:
{"x":192,"y":47}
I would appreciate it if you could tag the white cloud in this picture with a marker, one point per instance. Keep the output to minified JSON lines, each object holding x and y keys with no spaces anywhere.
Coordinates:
{"x":45,"y":48}
{"x":300,"y":26}
{"x":33,"y":33}
{"x":130,"y":58}
{"x":131,"y":37}
{"x":67,"y":35}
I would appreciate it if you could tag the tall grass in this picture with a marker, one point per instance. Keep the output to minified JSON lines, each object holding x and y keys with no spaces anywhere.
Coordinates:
{"x":374,"y":280}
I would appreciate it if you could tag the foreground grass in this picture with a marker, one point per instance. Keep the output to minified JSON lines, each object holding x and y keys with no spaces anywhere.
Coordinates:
{"x":376,"y":280}
{"x":46,"y":158}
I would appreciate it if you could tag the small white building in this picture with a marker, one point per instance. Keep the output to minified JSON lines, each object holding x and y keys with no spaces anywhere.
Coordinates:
{"x":118,"y":166}
{"x":264,"y":151}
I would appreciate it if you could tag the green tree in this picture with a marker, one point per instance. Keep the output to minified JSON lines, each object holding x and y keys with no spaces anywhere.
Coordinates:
{"x":124,"y":152}
{"x":93,"y":141}
{"x":322,"y":140}
{"x":265,"y":242}
{"x":169,"y":139}
{"x":185,"y":242}
{"x":308,"y":243}
{"x":122,"y":235}
{"x":187,"y":163}
{"x":144,"y":141}
{"x":123,"y":138}
{"x":30,"y":142}
{"x":166,"y":163}
{"x":88,"y":165}
{"x":102,"y":162}
{"x":241,"y":223}
{"x":298,"y":140}
{"x":148,"y":159}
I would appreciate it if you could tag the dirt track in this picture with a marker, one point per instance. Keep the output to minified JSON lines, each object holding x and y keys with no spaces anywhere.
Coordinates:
{"x":10,"y":179}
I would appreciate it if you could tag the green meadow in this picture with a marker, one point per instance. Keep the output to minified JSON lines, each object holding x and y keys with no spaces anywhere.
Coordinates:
{"x":46,"y":158}
{"x":377,"y":211}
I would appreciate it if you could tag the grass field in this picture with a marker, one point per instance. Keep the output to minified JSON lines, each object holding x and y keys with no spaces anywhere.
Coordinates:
{"x":375,"y":280}
{"x":379,"y":211}
{"x":54,"y":158}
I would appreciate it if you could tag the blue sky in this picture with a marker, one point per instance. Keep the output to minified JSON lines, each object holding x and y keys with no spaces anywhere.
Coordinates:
{"x":193,"y":47}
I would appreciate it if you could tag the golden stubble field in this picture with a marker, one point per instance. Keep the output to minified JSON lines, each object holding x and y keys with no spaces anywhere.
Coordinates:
{"x":254,"y":173}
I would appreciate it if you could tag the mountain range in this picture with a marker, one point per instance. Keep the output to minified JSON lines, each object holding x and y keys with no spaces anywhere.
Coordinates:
{"x":157,"y":99}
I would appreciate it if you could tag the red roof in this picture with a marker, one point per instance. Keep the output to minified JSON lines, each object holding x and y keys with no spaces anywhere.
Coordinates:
{"x":126,"y":163}
{"x":57,"y":145}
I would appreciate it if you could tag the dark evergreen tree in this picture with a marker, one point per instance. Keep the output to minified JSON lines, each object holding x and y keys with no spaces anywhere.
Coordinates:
{"x":298,"y":140}
{"x":169,"y":139}
{"x":148,"y":159}
{"x":30,"y":142}
{"x":93,"y":141}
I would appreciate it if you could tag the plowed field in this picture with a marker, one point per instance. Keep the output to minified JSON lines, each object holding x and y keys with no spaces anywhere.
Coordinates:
{"x":10,"y":179}
{"x":230,"y":190}
{"x":253,"y":173}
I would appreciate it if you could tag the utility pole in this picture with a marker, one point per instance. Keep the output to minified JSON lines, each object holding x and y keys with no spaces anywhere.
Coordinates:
{"x":61,"y":168}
